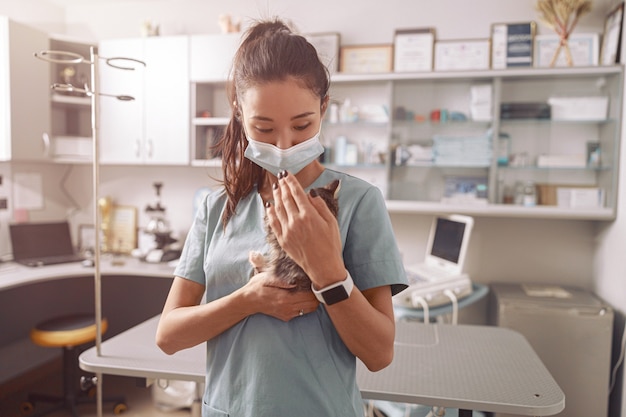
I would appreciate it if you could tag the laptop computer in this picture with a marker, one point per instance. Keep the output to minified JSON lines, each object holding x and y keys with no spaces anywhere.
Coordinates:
{"x":39,"y":244}
{"x":442,"y":268}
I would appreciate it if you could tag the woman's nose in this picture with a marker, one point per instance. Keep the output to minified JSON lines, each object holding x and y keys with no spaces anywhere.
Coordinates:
{"x":284,"y":141}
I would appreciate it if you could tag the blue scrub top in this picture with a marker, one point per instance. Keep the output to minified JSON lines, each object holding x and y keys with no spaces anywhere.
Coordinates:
{"x":264,"y":367}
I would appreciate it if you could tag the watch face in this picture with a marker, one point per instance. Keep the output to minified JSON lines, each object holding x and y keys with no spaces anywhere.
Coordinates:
{"x":334,"y":295}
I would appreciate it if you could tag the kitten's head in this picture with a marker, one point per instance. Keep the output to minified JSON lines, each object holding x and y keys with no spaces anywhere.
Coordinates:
{"x":329,"y":193}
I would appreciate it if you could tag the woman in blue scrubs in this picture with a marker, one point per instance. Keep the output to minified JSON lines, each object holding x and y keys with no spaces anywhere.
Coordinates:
{"x":270,"y":351}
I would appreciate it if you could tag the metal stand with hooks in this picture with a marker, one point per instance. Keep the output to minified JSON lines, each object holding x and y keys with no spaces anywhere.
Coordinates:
{"x":65,"y":57}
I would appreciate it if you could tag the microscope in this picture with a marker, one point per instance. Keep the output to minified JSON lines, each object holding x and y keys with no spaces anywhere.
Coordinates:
{"x":160,"y":228}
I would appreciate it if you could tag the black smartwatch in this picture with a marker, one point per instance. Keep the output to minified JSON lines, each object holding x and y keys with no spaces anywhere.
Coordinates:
{"x":336,"y":292}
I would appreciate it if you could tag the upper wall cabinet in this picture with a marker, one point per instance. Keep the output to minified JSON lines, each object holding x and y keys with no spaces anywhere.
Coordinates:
{"x":513,"y":143}
{"x":154,"y":127}
{"x":211,"y":56}
{"x":24,"y":97}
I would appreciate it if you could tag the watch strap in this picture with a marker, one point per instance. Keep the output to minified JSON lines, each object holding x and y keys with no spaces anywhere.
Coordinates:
{"x":336,"y":292}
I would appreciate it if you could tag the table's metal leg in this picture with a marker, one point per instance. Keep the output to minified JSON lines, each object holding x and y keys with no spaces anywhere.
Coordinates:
{"x":196,"y":407}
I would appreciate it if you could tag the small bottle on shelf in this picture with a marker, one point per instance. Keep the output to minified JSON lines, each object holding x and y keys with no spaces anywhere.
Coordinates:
{"x":529,"y":198}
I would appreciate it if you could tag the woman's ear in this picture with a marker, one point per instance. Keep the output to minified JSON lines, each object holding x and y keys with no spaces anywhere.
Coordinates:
{"x":324,"y":107}
{"x":236,"y":111}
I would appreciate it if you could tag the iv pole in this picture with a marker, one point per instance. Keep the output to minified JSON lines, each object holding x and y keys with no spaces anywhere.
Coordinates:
{"x":65,"y":57}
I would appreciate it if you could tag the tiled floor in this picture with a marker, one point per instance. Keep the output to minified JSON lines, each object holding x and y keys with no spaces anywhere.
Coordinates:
{"x":139,"y":400}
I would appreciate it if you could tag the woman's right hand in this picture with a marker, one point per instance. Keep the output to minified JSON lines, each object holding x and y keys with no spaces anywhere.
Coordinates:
{"x":272,"y":297}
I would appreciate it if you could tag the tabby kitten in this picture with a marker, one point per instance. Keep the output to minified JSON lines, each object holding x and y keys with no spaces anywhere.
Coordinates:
{"x":277,"y":262}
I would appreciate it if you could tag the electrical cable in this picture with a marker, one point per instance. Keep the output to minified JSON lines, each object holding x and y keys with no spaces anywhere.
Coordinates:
{"x":418,"y":301}
{"x":372,"y":411}
{"x":619,"y":361}
{"x":455,"y":305}
{"x":436,"y":411}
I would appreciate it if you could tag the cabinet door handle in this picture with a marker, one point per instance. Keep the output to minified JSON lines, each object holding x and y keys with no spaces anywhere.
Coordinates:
{"x":45,"y":138}
{"x":137,"y":148}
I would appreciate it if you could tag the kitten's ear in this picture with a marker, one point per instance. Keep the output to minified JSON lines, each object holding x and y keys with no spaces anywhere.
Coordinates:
{"x":334,"y":187}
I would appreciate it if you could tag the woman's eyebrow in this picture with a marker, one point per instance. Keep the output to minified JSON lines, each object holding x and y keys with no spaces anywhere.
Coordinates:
{"x":306,"y":114}
{"x":263,"y":118}
{"x":269,"y":119}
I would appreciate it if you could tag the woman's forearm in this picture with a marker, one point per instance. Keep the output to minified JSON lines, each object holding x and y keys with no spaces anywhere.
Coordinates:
{"x":366,"y":324}
{"x":185,"y":323}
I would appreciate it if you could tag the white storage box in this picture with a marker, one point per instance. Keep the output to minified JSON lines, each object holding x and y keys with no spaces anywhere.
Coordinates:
{"x":572,"y":197}
{"x":579,"y":108}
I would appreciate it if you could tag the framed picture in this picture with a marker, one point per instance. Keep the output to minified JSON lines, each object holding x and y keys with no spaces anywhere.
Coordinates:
{"x":512,"y":44}
{"x":583,"y":47}
{"x":123,"y":229}
{"x":413,"y":50}
{"x":462,"y":55}
{"x":366,"y":58}
{"x":327,"y":45}
{"x":612,"y":38}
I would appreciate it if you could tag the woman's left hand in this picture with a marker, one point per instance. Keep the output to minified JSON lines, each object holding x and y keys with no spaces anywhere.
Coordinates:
{"x":307,"y":231}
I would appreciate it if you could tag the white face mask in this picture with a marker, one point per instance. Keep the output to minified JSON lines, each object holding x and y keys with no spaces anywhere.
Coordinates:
{"x":293,"y":159}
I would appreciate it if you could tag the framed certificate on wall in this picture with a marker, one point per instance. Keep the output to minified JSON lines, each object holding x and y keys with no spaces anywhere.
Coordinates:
{"x":327,"y":45}
{"x":583,"y":47}
{"x":366,"y":58}
{"x":612,"y":39}
{"x":462,"y":55}
{"x":413,"y":50}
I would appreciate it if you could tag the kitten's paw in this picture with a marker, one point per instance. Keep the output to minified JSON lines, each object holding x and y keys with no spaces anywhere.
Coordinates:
{"x":257,"y":260}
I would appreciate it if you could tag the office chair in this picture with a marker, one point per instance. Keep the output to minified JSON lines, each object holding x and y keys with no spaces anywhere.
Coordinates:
{"x":68,"y":332}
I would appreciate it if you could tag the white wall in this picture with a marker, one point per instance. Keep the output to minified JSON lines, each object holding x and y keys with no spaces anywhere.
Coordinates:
{"x":359,"y":22}
{"x":581,"y":253}
{"x":39,"y":13}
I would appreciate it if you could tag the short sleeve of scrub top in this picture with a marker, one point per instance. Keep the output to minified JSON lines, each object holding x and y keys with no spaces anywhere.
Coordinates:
{"x":266,"y":367}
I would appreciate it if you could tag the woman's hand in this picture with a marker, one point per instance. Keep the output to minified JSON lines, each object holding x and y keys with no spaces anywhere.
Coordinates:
{"x":307,"y":231}
{"x":275,"y":298}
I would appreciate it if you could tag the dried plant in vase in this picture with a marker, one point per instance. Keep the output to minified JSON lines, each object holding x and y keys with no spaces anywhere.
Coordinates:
{"x":562,"y":16}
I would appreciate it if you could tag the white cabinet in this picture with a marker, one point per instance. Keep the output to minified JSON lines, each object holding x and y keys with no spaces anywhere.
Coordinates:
{"x":24,"y":97}
{"x":209,"y":117}
{"x":153,"y":128}
{"x":432,"y":156}
{"x":70,"y":138}
{"x":210,"y":112}
{"x":204,"y":49}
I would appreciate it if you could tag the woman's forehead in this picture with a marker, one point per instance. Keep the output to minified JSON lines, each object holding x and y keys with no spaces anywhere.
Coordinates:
{"x":283,"y":96}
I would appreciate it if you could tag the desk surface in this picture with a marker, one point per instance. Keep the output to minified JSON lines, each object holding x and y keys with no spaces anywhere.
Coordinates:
{"x":15,"y":275}
{"x":490,"y":369}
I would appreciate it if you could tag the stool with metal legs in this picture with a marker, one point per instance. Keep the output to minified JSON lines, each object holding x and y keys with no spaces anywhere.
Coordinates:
{"x":68,"y":332}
